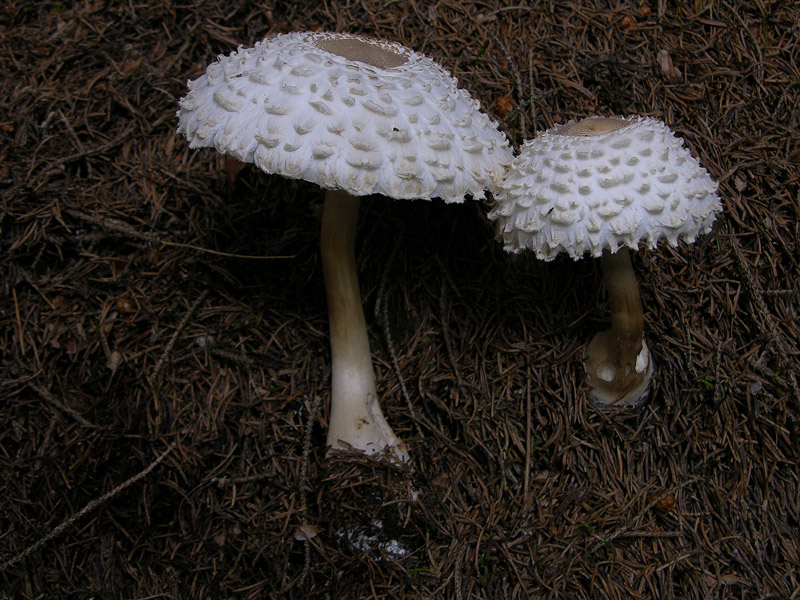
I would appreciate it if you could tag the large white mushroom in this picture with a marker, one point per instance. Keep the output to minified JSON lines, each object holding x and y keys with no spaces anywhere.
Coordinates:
{"x":356,"y":116}
{"x":603,"y":186}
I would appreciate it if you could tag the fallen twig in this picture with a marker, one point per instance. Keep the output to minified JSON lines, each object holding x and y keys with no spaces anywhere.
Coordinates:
{"x":58,"y":530}
{"x":50,"y":399}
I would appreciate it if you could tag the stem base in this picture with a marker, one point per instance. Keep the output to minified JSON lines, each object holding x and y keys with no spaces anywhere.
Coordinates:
{"x":608,"y":386}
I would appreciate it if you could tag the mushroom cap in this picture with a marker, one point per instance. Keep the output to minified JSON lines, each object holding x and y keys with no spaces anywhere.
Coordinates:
{"x":358,"y":114}
{"x":603,"y":183}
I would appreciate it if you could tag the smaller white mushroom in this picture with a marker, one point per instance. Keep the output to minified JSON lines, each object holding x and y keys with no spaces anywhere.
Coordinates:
{"x":603,"y":186}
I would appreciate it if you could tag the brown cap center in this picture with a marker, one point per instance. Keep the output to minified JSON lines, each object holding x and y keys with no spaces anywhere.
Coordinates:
{"x":364,"y":51}
{"x":593,"y":126}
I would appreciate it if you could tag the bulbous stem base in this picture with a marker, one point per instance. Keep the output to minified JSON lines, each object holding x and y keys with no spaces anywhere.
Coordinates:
{"x":602,"y":369}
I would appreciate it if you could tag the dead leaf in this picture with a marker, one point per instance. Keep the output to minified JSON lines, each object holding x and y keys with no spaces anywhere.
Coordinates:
{"x":729,"y":579}
{"x":502,"y":106}
{"x":665,"y":504}
{"x":305,"y":532}
{"x":669,"y":70}
{"x":154,"y":257}
{"x":115,"y":360}
{"x":124,"y":305}
{"x":233,"y":167}
{"x":628,"y":23}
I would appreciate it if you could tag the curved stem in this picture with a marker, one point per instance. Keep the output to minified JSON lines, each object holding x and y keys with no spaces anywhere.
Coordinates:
{"x":627,"y":321}
{"x":356,"y":419}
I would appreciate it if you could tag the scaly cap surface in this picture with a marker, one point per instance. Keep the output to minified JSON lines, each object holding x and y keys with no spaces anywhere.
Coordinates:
{"x":601,"y":184}
{"x":362,"y":115}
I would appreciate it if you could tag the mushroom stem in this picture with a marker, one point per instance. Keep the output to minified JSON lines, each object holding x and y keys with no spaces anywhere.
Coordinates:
{"x":617,"y":361}
{"x":356,"y":420}
{"x":627,"y":321}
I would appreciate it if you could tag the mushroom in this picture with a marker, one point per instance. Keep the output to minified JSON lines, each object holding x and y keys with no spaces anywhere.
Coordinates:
{"x":356,"y":116}
{"x":602,"y":186}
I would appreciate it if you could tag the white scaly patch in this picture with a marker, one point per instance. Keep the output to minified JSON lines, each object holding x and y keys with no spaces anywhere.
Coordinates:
{"x":394,"y":123}
{"x":599,"y":184}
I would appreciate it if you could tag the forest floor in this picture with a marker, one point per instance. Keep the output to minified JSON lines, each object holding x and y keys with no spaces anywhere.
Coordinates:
{"x":165,"y":367}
